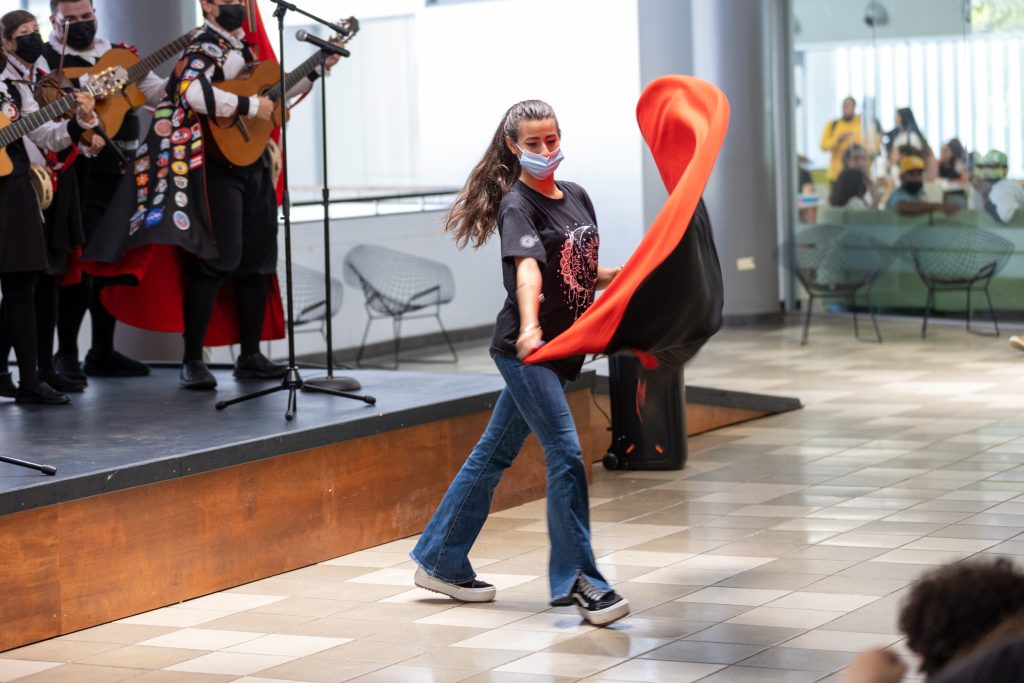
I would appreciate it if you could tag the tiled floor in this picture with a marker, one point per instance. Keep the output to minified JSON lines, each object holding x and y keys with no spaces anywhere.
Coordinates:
{"x":781,"y":550}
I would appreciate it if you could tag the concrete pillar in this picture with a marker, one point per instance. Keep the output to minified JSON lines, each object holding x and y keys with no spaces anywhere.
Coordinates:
{"x":148,"y":25}
{"x":743,"y":47}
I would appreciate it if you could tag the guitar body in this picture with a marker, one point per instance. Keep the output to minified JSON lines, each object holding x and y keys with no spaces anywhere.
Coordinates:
{"x":113,"y":109}
{"x":232,"y":144}
{"x":6,"y":165}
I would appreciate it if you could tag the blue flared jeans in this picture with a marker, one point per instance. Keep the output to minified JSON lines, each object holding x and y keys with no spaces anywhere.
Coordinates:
{"x":533,"y":400}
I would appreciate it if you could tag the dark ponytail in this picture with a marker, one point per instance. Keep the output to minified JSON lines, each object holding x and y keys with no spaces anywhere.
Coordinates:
{"x":473,"y":217}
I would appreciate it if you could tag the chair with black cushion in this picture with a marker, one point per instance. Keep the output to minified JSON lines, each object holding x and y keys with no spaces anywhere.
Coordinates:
{"x":836,"y":262}
{"x":399,"y":286}
{"x":951,"y":257}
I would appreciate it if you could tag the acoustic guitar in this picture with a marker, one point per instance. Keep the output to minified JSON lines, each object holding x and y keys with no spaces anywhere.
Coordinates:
{"x":114,"y":108}
{"x":101,"y":85}
{"x":242,"y":141}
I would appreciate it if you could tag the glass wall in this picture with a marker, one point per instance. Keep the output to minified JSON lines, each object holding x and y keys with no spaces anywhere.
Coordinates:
{"x":931,"y":134}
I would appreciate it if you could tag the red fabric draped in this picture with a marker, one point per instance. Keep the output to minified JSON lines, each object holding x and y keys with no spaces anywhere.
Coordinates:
{"x":684,"y":121}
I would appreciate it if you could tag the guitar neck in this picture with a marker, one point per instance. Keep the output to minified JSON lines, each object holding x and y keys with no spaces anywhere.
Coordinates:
{"x":29,"y":123}
{"x":292,"y":79}
{"x":138,"y":71}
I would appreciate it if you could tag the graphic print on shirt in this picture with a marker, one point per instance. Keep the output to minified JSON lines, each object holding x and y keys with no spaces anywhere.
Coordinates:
{"x":578,"y":267}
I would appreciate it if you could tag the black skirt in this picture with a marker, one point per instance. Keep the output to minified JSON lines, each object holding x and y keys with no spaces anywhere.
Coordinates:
{"x":62,"y":223}
{"x":22,"y":240}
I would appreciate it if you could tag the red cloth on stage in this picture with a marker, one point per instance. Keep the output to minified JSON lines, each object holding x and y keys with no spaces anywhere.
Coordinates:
{"x":684,"y":121}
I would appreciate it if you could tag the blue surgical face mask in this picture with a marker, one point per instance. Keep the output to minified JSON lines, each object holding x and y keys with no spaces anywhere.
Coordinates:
{"x":539,"y":166}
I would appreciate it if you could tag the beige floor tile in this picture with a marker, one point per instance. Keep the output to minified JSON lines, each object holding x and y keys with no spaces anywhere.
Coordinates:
{"x":368,"y":558}
{"x":201,"y":639}
{"x":468,"y":658}
{"x":842,"y":641}
{"x":81,"y":673}
{"x":374,"y":651}
{"x":122,"y":634}
{"x":474,"y":618}
{"x":657,"y":670}
{"x":528,"y":641}
{"x":314,"y":671}
{"x":734,"y":596}
{"x":12,"y":669}
{"x":231,"y":602}
{"x":60,"y":650}
{"x":286,"y":646}
{"x":182,"y":677}
{"x":785,"y":618}
{"x":836,"y":602}
{"x":561,"y":664}
{"x":141,"y":657}
{"x":402,"y":673}
{"x":229,"y":663}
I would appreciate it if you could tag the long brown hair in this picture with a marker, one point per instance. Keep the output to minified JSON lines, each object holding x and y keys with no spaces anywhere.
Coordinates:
{"x":473,"y":217}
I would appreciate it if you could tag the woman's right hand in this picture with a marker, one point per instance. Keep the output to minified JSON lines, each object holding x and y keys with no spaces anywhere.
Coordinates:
{"x":528,"y":341}
{"x":875,"y":666}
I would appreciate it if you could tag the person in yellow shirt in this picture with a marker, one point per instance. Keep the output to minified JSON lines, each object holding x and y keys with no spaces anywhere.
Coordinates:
{"x":841,"y":133}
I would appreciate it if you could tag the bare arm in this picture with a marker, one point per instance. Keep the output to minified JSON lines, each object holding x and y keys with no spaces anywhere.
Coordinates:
{"x":606,"y":275}
{"x":528,"y":288}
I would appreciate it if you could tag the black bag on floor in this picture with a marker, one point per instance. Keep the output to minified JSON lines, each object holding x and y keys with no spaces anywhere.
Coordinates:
{"x":648,"y":416}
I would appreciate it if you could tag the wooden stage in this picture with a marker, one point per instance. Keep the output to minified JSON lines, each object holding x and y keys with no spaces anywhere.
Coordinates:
{"x":160,"y":498}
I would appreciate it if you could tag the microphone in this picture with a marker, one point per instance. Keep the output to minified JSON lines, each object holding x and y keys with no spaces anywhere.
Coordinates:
{"x":321,"y":43}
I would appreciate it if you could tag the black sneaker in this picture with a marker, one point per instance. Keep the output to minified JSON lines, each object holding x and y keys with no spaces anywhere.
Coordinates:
{"x":7,"y":388}
{"x":258,"y":366}
{"x":196,"y":376}
{"x":598,"y":606}
{"x":41,"y":394}
{"x":61,"y":383}
{"x":68,"y":365}
{"x":113,"y":364}
{"x":470,"y":591}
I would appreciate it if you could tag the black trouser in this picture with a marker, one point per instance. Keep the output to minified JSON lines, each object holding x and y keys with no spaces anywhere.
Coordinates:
{"x":72,"y":303}
{"x":18,"y":323}
{"x":243,"y":214}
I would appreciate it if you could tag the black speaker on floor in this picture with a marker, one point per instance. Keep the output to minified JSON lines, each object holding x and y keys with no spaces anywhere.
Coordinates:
{"x":648,"y":416}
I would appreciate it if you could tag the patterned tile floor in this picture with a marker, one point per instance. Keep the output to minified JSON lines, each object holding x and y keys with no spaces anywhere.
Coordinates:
{"x":781,"y":550}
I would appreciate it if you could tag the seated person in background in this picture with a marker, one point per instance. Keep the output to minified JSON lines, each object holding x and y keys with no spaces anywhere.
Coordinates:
{"x":953,"y":161}
{"x":858,"y":157}
{"x":908,"y":198}
{"x":966,"y":623}
{"x":1006,"y":196}
{"x":850,"y":190}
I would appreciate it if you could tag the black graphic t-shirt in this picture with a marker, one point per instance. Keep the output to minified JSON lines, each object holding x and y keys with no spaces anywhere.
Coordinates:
{"x":562,"y":235}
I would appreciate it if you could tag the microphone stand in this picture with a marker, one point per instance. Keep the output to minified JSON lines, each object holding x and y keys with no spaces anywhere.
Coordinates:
{"x":292,"y":382}
{"x":45,"y":469}
{"x":330,"y":381}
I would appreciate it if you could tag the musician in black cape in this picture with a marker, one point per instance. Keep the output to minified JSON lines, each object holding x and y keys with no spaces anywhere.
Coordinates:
{"x":23,"y":246}
{"x":96,"y":174}
{"x":224,"y":216}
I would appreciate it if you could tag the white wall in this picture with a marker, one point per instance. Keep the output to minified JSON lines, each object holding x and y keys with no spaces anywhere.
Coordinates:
{"x":474,"y":60}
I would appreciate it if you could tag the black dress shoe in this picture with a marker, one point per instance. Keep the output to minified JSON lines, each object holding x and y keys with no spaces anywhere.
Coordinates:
{"x":41,"y":394}
{"x":258,"y":366}
{"x":195,"y":375}
{"x":61,"y":383}
{"x":7,"y":388}
{"x":68,"y":365}
{"x":113,"y":364}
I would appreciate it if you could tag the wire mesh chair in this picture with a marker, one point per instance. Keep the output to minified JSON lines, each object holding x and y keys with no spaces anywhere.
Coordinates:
{"x":309,"y":299}
{"x":950,"y":257}
{"x":836,"y":261}
{"x":399,"y":286}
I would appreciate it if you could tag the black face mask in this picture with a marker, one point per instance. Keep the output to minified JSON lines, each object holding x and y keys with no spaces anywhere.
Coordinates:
{"x":30,"y":47}
{"x":913,"y":186}
{"x":81,"y":35}
{"x":231,"y":17}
